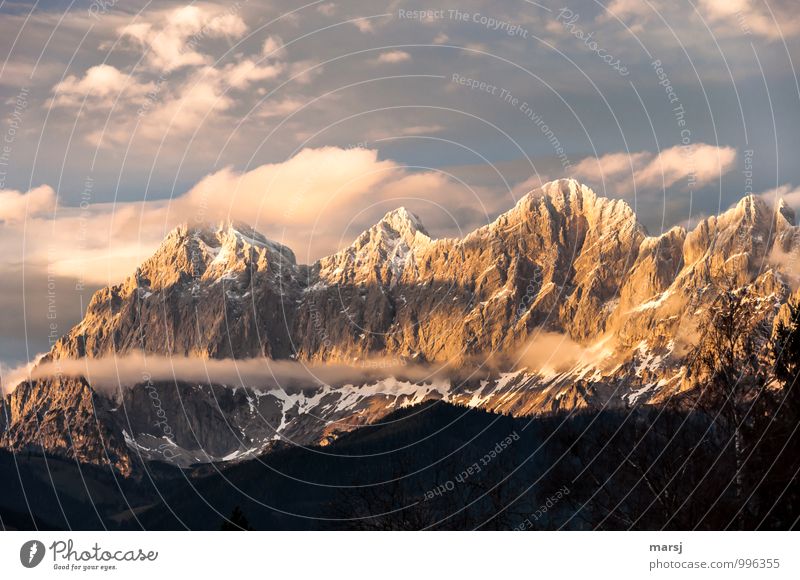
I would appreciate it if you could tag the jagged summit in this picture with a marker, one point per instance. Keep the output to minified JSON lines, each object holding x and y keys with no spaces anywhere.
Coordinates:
{"x":783,"y":210}
{"x":379,"y":254}
{"x":569,"y":198}
{"x":194,"y":296}
{"x":751,"y":207}
{"x":210,"y":252}
{"x":241,"y":230}
{"x":397,"y":226}
{"x":566,"y":190}
{"x":403,"y":222}
{"x":572,"y":195}
{"x":224,"y":231}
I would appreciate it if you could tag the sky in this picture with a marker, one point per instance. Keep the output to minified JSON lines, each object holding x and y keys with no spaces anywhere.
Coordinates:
{"x":121,"y":119}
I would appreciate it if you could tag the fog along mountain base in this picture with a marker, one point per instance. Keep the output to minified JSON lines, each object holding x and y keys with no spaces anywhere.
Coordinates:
{"x":562,"y":304}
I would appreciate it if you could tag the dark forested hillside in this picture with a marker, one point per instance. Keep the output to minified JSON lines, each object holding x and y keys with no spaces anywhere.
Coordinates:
{"x":440,"y":466}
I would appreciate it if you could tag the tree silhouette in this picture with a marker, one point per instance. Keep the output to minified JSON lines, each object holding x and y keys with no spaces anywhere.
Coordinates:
{"x":777,"y":495}
{"x":787,"y":348}
{"x":236,"y":522}
{"x":727,"y":365}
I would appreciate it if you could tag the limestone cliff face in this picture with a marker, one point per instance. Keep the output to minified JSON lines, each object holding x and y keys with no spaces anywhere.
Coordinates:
{"x":678,"y":273}
{"x":349,"y":304}
{"x":557,"y":259}
{"x":562,"y":260}
{"x":554,"y":260}
{"x":217,"y":292}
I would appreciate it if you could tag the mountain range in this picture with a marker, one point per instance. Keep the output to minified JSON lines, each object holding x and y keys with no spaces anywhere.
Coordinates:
{"x":561,"y":304}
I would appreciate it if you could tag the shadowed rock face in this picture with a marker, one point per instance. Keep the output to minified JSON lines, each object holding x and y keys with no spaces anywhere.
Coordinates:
{"x":65,"y":417}
{"x":561,"y":260}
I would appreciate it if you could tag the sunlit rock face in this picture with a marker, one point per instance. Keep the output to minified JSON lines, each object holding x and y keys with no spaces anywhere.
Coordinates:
{"x":564,"y":302}
{"x":221,"y":291}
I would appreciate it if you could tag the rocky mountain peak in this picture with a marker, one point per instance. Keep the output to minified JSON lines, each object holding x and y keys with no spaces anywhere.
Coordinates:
{"x":379,"y":254}
{"x":782,"y":210}
{"x":744,"y":231}
{"x":751,"y":208}
{"x":235,"y":229}
{"x":209,"y":252}
{"x":567,"y":193}
{"x":569,"y":197}
{"x":208,"y":274}
{"x":403,"y":222}
{"x":398,"y":226}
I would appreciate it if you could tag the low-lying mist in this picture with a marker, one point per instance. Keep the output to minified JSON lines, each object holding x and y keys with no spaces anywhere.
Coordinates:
{"x":110,"y":374}
{"x":546,"y":353}
{"x":552,"y":353}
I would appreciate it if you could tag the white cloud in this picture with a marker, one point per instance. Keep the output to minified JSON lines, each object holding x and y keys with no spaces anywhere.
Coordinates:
{"x":10,"y":377}
{"x":313,"y":202}
{"x":787,"y":192}
{"x":180,"y":112}
{"x":726,"y":18}
{"x":191,"y":91}
{"x":273,"y":47}
{"x":171,"y":38}
{"x":364,"y":25}
{"x":308,"y":182}
{"x":246,"y":72}
{"x":403,"y":131}
{"x":98,"y":244}
{"x":100,"y":85}
{"x":393,"y":56}
{"x":16,"y":206}
{"x":110,"y":374}
{"x":422,"y":129}
{"x":303,"y":72}
{"x":622,"y":172}
{"x":624,"y":8}
{"x":739,"y":17}
{"x":552,"y":353}
{"x":178,"y":109}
